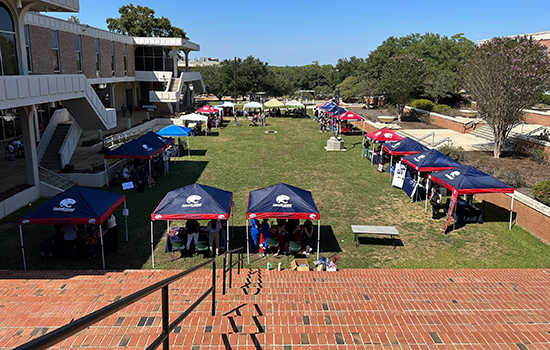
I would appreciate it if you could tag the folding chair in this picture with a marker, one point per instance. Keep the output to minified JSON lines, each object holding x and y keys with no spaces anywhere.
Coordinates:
{"x":177,"y":246}
{"x":201,"y":247}
{"x":293,"y":248}
{"x":272,"y":243}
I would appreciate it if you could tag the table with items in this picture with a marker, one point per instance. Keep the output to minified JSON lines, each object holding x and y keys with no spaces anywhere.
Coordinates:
{"x":374,"y":230}
{"x":465,"y":213}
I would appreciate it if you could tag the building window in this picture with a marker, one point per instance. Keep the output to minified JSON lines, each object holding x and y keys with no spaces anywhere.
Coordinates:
{"x":97,"y":59}
{"x":78,"y":48}
{"x":153,"y":59}
{"x":125,"y":61}
{"x":113,"y":58}
{"x":28,"y":48}
{"x":10,"y":124}
{"x":8,"y":47}
{"x":55,"y":51}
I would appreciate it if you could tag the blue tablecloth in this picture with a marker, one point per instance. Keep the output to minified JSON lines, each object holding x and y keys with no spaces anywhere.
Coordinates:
{"x":408,"y":187}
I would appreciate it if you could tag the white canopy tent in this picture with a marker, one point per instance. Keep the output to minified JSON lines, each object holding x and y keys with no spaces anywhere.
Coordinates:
{"x":253,"y":105}
{"x":294,"y":104}
{"x":194,"y":117}
{"x":226,"y":104}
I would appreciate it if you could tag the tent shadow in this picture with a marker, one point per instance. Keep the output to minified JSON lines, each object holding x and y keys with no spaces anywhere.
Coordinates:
{"x":213,"y":134}
{"x":380,"y":241}
{"x":495,"y":213}
{"x":198,"y":152}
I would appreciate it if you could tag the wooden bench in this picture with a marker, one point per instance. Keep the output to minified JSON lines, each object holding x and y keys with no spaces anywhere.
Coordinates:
{"x":374,"y":230}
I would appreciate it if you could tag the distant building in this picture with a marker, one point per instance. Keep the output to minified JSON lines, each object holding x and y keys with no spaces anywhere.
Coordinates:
{"x":200,"y":61}
{"x":543,"y":37}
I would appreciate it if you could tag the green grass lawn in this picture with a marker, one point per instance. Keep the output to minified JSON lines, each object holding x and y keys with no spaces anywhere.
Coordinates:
{"x":346,"y":188}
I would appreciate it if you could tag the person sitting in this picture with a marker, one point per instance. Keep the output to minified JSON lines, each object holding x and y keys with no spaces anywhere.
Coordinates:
{"x":10,"y":152}
{"x":126,"y":173}
{"x":70,"y":238}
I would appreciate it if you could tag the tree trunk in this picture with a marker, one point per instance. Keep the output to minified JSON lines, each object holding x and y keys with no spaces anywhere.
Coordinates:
{"x":400,"y":108}
{"x":499,"y":143}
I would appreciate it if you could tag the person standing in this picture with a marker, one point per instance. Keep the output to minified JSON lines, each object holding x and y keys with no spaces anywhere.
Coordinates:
{"x":213,"y":230}
{"x":255,"y":233}
{"x":123,"y":110}
{"x":131,"y":109}
{"x":166,"y":159}
{"x":192,"y":228}
{"x":265,"y":235}
{"x":307,"y":232}
{"x":435,"y":201}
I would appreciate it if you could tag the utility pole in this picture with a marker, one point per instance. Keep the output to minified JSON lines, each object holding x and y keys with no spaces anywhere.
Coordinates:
{"x":235,"y":79}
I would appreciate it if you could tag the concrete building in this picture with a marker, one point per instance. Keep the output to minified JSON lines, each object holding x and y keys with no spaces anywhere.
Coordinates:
{"x":543,"y":37}
{"x":54,"y":71}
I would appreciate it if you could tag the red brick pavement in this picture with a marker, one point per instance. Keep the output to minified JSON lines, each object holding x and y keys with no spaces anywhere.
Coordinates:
{"x":349,"y":309}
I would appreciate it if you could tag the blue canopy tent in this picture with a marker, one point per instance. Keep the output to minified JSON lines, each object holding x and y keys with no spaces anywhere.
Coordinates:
{"x":405,"y":147}
{"x":176,"y":131}
{"x":77,"y":205}
{"x":193,"y":202}
{"x":328,"y":106}
{"x":157,"y":140}
{"x":282,"y":201}
{"x":428,"y":161}
{"x":135,"y":149}
{"x":469,"y":180}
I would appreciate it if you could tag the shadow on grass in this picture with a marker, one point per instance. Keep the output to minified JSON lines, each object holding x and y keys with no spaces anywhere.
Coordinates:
{"x":380,"y":241}
{"x":198,"y":152}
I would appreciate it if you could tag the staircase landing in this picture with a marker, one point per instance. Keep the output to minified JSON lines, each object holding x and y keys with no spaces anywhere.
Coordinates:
{"x":349,"y":309}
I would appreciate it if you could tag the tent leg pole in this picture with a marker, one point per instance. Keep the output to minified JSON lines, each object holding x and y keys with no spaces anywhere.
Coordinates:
{"x":372,"y":155}
{"x":247,"y":244}
{"x":427,"y":194}
{"x":391,"y":164}
{"x":188,"y":148}
{"x":511,"y":211}
{"x":152,"y":250}
{"x":363,"y":140}
{"x":318,"y":237}
{"x":102,"y":248}
{"x":150,"y":174}
{"x":126,"y":221}
{"x":106,"y":172}
{"x":22,"y":247}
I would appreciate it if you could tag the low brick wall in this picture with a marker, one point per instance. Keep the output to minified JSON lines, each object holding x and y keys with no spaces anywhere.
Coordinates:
{"x":366,"y":126}
{"x":444,"y":121}
{"x":528,"y":213}
{"x":537,"y":117}
{"x":524,"y":143}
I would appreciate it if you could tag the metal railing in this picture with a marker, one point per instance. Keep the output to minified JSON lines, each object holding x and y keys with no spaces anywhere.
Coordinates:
{"x":473,"y":124}
{"x":61,"y":182}
{"x":125,"y":136}
{"x":432,"y":134}
{"x":74,"y":327}
{"x":533,"y":132}
{"x":446,"y":139}
{"x":239,"y":263}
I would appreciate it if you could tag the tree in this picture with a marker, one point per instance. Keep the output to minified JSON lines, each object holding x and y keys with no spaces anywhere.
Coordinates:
{"x":216,"y":80}
{"x":440,"y":85}
{"x":357,"y":87}
{"x":505,"y":76}
{"x":402,"y":77}
{"x":141,"y":21}
{"x":73,"y":19}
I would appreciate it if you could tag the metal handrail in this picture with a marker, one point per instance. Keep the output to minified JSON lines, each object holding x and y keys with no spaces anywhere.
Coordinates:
{"x":446,"y":139}
{"x":239,"y":263}
{"x":432,"y":134}
{"x":50,"y":174}
{"x":465,"y":126}
{"x":534,"y":131}
{"x":74,"y":327}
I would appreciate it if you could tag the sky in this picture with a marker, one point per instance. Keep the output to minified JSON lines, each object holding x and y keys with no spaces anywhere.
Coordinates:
{"x":298,"y":32}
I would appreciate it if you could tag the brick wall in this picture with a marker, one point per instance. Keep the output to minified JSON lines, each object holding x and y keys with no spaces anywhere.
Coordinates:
{"x":41,"y":48}
{"x":523,"y":144}
{"x":67,"y":52}
{"x":131,"y":60}
{"x":446,"y":123}
{"x":530,"y":219}
{"x":88,"y":56}
{"x":365,"y":126}
{"x":534,"y":117}
{"x":119,"y":60}
{"x":105,"y":54}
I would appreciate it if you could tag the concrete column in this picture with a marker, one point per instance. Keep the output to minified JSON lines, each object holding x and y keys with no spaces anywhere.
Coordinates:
{"x":112,"y":102}
{"x":134,"y":93}
{"x":29,"y":140}
{"x":175,"y":62}
{"x":186,"y":60}
{"x":36,"y":123}
{"x":18,"y":18}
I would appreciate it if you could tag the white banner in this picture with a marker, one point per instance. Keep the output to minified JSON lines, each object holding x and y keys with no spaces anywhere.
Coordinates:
{"x":399,"y":175}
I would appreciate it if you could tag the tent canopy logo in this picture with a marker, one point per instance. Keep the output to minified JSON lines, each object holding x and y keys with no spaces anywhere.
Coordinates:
{"x":66,"y":205}
{"x":147,"y":148}
{"x":452,"y":175}
{"x":192,"y":202}
{"x":419,"y":158}
{"x":388,"y":135}
{"x":282,"y":201}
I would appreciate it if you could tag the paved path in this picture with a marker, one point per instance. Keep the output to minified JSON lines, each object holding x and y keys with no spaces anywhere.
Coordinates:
{"x":348,"y":309}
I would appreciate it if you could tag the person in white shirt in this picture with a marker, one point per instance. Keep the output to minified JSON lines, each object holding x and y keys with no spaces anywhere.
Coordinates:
{"x":166,"y":159}
{"x":213,"y":229}
{"x":126,"y":173}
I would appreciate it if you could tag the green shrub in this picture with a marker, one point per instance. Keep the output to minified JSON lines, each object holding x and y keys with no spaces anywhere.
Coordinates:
{"x":441,"y":109}
{"x":544,"y":98}
{"x":512,"y":177}
{"x":537,"y":154}
{"x":541,"y":192}
{"x":454,"y":152}
{"x":423,"y":104}
{"x":544,"y":135}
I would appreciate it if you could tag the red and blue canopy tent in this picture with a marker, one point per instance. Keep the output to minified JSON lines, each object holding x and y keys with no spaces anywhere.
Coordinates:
{"x":155,"y":139}
{"x":193,"y":202}
{"x":428,"y":161}
{"x":135,"y":149}
{"x":78,"y":206}
{"x":405,"y":147}
{"x":284,"y":202}
{"x":464,"y":180}
{"x":383,"y":135}
{"x":349,"y":115}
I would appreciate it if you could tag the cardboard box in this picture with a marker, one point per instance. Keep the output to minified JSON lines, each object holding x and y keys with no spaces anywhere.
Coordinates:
{"x":295,"y":265}
{"x":320,"y":267}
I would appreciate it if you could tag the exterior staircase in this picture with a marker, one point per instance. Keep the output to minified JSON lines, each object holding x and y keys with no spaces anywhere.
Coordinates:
{"x":174,"y":84}
{"x":51,"y":159}
{"x":486,"y":133}
{"x":347,"y":309}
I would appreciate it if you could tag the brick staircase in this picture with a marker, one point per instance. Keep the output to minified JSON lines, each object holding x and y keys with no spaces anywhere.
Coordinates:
{"x":348,"y":309}
{"x":51,"y":159}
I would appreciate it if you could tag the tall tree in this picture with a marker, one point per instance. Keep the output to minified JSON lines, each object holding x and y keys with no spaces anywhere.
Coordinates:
{"x":141,"y":21}
{"x":403,"y":76}
{"x":73,"y":19}
{"x":505,"y":76}
{"x":216,"y":79}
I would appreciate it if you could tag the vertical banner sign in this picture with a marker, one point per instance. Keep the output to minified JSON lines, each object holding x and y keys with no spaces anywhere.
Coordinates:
{"x":399,"y":175}
{"x":454,"y":196}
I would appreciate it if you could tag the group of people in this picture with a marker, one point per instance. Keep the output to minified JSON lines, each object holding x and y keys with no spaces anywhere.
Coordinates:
{"x":215,"y":234}
{"x":125,"y":109}
{"x":284,"y":232}
{"x":71,"y":239}
{"x":14,"y":149}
